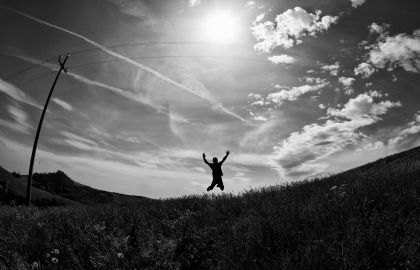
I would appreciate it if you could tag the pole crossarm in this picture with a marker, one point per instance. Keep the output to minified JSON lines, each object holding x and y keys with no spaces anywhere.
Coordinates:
{"x":38,"y":131}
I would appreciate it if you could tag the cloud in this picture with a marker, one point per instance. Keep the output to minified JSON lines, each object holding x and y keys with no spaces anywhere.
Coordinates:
{"x":375,"y":28}
{"x":321,"y":106}
{"x":260,"y":118}
{"x":62,"y":104}
{"x":289,"y":28}
{"x":401,"y":50}
{"x":333,"y":69}
{"x":135,"y":8}
{"x":17,"y":94}
{"x":405,"y":134}
{"x":216,"y":105}
{"x":372,"y":146}
{"x":363,"y":107}
{"x":357,"y":3}
{"x":305,"y":151}
{"x":346,"y":81}
{"x":283,"y":58}
{"x":20,"y":120}
{"x":365,"y":70}
{"x":193,"y":3}
{"x":88,"y":81}
{"x":294,"y":93}
{"x":72,"y":136}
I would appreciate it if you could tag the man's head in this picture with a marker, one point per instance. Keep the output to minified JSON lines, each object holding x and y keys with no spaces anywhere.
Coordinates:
{"x":215,"y":160}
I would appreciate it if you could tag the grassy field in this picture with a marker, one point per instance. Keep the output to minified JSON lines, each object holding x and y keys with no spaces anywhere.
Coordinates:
{"x":366,"y":218}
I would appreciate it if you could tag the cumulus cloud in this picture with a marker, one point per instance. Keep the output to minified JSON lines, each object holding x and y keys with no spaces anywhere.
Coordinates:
{"x":363,"y":108}
{"x":289,"y":28}
{"x":305,"y":151}
{"x":333,"y":69}
{"x":389,"y":52}
{"x":62,"y":104}
{"x":365,"y":70}
{"x":283,"y":58}
{"x":375,"y":28}
{"x":402,"y":50}
{"x":357,"y":3}
{"x":346,"y":81}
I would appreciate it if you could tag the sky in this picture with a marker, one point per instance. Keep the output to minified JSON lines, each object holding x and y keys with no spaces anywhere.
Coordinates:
{"x":294,"y":89}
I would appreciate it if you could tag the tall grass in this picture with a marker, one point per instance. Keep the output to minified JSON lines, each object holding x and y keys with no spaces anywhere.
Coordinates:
{"x":367,"y":218}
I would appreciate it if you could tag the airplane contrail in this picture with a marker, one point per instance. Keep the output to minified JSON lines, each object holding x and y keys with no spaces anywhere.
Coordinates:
{"x":129,"y":60}
{"x":116,"y":90}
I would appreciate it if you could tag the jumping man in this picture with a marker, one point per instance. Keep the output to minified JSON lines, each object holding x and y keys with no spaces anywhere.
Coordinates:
{"x":217,"y":173}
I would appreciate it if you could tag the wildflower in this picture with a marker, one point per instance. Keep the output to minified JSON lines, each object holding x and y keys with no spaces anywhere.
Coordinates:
{"x":56,"y":251}
{"x":120,"y":255}
{"x":35,"y":265}
{"x":54,"y":260}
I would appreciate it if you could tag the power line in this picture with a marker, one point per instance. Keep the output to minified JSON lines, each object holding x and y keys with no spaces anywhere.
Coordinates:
{"x":149,"y":43}
{"x":190,"y":56}
{"x":27,"y":68}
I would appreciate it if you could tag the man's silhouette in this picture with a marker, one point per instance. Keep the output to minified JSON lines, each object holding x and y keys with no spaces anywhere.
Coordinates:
{"x":217,"y":173}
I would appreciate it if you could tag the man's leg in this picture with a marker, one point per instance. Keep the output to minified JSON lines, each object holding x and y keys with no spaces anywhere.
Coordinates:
{"x":213,"y":183}
{"x":220,"y":184}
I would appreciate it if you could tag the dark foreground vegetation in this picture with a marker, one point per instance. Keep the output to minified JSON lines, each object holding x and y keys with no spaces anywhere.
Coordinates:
{"x":366,"y":218}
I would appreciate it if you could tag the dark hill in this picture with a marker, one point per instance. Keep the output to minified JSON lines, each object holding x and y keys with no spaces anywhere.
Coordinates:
{"x":51,"y":189}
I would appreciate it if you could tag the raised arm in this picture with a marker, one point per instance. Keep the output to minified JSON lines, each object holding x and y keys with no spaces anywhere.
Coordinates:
{"x":224,"y":159}
{"x":204,"y":158}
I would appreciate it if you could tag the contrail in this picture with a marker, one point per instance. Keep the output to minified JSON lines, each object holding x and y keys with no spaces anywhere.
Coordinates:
{"x":128,"y":60}
{"x":116,"y":90}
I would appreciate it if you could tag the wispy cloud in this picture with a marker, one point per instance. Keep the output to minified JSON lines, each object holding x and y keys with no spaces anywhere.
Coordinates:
{"x":116,"y":90}
{"x":17,"y":94}
{"x":216,"y":105}
{"x":62,"y":104}
{"x":292,"y":94}
{"x":20,"y":120}
{"x":409,"y":132}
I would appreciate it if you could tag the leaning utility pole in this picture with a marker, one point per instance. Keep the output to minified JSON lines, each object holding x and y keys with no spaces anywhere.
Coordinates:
{"x":31,"y":165}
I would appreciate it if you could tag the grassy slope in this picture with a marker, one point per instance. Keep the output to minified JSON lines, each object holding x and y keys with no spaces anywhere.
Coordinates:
{"x":366,"y":218}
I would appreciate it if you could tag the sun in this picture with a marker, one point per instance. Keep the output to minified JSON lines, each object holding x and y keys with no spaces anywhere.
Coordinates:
{"x":220,"y":26}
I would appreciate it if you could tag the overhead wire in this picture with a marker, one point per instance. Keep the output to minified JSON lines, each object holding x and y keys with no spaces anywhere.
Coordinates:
{"x":148,"y":43}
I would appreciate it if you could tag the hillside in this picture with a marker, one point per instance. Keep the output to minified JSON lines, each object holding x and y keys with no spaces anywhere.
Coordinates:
{"x":54,"y":189}
{"x":365,"y":218}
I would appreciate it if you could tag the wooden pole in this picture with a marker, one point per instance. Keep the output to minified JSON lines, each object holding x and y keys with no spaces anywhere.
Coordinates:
{"x":38,"y":131}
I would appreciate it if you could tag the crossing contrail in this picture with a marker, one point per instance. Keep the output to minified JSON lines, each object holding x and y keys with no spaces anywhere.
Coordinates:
{"x":215,"y":103}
